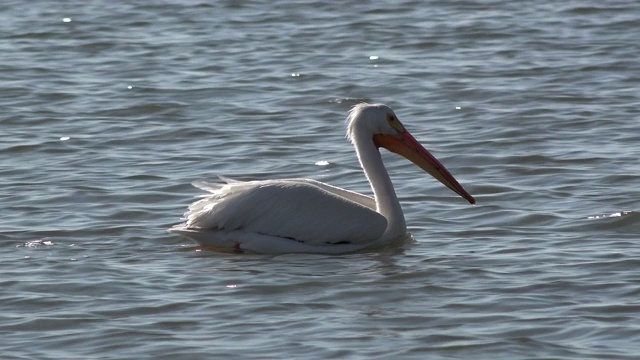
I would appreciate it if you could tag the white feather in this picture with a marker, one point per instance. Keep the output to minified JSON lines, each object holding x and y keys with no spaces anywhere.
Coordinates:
{"x":295,"y":209}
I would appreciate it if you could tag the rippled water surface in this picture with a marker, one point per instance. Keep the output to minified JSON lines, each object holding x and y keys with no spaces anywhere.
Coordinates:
{"x":111,"y":109}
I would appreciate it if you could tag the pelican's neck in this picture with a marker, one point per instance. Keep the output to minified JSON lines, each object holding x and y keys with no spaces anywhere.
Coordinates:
{"x":387,"y":202}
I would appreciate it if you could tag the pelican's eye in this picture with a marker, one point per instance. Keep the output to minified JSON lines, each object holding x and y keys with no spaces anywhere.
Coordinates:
{"x":395,"y":123}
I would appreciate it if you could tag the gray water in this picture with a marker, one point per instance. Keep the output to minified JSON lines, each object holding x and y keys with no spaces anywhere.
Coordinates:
{"x":110,"y":109}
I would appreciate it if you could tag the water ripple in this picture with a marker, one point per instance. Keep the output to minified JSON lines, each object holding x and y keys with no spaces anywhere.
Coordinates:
{"x":111,"y":110}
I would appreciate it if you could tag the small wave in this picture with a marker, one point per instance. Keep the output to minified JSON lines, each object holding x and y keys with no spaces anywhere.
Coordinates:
{"x":612,"y":215}
{"x":37,"y":243}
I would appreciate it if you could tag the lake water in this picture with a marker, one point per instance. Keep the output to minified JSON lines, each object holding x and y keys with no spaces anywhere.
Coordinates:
{"x":111,"y":109}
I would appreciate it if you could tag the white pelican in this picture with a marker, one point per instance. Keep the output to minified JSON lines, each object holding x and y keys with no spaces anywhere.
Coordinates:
{"x":308,"y":216}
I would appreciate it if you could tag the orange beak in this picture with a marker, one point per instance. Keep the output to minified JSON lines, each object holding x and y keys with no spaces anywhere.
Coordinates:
{"x":407,"y":146}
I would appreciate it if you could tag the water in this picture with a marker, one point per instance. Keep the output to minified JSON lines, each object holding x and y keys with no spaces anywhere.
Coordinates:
{"x":111,"y":109}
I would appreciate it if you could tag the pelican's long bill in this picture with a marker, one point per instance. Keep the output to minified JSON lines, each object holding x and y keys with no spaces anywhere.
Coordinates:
{"x":407,"y":146}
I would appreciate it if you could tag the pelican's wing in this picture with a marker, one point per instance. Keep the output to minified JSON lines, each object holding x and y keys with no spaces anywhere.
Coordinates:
{"x":365,"y":200}
{"x":303,"y":210}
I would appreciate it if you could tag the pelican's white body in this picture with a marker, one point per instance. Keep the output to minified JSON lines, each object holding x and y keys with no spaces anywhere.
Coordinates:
{"x":302,"y":215}
{"x":281,"y":216}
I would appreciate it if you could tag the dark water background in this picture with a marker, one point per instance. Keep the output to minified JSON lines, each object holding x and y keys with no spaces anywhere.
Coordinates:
{"x":110,"y":109}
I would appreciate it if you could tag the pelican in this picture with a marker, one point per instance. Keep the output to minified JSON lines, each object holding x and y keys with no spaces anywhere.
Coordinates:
{"x":308,"y":216}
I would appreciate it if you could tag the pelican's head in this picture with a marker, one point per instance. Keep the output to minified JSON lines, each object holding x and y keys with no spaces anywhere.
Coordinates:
{"x":371,"y":119}
{"x":378,"y":123}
